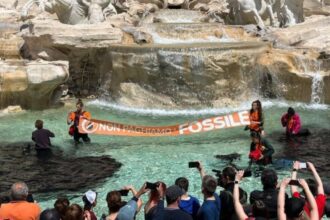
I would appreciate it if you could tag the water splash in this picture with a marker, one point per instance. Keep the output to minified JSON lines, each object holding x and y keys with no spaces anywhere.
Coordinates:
{"x":317,"y":89}
{"x":101,"y":103}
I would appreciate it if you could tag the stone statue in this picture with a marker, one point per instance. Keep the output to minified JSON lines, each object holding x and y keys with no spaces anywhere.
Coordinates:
{"x":74,"y":11}
{"x":256,"y":11}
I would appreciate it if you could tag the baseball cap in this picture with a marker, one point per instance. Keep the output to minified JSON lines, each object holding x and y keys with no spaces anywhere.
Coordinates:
{"x":91,"y":196}
{"x":173,"y":192}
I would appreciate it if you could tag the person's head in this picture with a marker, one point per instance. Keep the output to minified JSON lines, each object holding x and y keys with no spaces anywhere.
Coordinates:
{"x":255,"y":137}
{"x":114,"y":201}
{"x":183,"y":183}
{"x":89,"y":199}
{"x":291,"y":112}
{"x":19,"y":191}
{"x":209,"y":185}
{"x":259,"y":209}
{"x":228,"y":175}
{"x":50,"y":214}
{"x":173,"y":195}
{"x":79,"y":105}
{"x":294,"y":207}
{"x":61,"y":205}
{"x":269,"y":178}
{"x":39,"y":124}
{"x":154,"y":194}
{"x":74,"y":212}
{"x":256,"y":106}
{"x":312,"y":186}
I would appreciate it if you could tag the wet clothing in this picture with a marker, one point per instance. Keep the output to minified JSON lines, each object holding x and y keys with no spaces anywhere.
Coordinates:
{"x":254,"y":117}
{"x":42,"y":138}
{"x":210,"y":210}
{"x":269,"y":197}
{"x":265,"y":149}
{"x":20,"y":210}
{"x":320,"y":202}
{"x":190,"y":206}
{"x":227,"y":202}
{"x":292,"y":124}
{"x":162,"y":213}
{"x":75,"y":117}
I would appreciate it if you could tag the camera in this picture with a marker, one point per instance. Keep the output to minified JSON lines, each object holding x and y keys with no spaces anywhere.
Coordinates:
{"x":123,"y":192}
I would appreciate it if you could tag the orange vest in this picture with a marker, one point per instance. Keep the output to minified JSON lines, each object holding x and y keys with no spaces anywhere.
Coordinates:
{"x":254,"y":117}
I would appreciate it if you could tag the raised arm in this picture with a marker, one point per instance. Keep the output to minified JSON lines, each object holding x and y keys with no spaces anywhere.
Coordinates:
{"x":311,"y":200}
{"x":237,"y":204}
{"x":320,"y":189}
{"x":281,"y":200}
{"x":295,"y":168}
{"x":69,"y":119}
{"x":201,"y":170}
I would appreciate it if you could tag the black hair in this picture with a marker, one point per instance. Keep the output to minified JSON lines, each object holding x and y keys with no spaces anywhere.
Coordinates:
{"x":50,"y":214}
{"x":170,"y":200}
{"x":312,"y":186}
{"x":291,"y":111}
{"x":183,"y":183}
{"x":293,"y":207}
{"x":87,"y":204}
{"x":269,"y":178}
{"x":229,"y":172}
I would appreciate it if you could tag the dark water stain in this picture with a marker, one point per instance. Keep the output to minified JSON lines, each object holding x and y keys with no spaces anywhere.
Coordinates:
{"x":314,"y":148}
{"x":52,"y":172}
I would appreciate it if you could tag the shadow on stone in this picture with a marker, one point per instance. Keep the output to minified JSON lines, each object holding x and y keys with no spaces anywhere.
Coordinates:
{"x":50,"y":171}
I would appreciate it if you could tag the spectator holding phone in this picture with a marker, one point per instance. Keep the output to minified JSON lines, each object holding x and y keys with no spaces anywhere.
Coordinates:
{"x":154,"y":199}
{"x":188,"y":203}
{"x":259,"y":209}
{"x":211,"y":207}
{"x":118,"y":211}
{"x":319,"y":195}
{"x":293,"y":208}
{"x":226,"y":196}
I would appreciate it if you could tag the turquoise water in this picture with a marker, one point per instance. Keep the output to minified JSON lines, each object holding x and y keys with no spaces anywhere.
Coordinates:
{"x":152,"y":159}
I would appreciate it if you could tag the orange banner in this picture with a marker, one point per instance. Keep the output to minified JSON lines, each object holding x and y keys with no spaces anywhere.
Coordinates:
{"x":94,"y":126}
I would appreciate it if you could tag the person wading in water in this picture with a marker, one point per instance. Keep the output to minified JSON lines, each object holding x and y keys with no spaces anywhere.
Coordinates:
{"x":256,"y":118}
{"x":73,"y":120}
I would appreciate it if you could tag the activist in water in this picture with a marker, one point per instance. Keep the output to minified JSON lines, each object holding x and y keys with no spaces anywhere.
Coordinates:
{"x":73,"y":120}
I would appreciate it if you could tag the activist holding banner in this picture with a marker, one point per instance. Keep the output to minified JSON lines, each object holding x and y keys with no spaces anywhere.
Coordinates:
{"x":261,"y":150}
{"x":74,"y":120}
{"x":94,"y":126}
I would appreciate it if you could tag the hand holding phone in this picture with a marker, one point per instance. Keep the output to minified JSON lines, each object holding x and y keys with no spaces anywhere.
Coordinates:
{"x":247,"y":173}
{"x":193,"y":164}
{"x":294,"y":183}
{"x":302,"y":165}
{"x":123,"y":192}
{"x":151,"y":186}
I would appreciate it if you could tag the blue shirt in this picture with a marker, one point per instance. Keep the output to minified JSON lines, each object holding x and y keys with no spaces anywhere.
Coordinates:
{"x":191,"y":206}
{"x":210,"y":209}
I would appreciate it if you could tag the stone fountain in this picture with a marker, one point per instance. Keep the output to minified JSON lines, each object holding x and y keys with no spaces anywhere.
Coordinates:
{"x":169,"y":54}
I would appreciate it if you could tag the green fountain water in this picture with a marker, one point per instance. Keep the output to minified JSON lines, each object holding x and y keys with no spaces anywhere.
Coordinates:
{"x":160,"y":158}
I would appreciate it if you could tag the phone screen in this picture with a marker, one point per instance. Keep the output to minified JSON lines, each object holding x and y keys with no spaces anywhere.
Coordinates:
{"x":193,"y":164}
{"x":303,"y":165}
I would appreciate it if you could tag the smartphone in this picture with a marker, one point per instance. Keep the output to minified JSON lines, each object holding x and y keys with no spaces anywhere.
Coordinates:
{"x":247,"y":173}
{"x":30,"y":198}
{"x":294,"y":183}
{"x":151,"y":185}
{"x":193,"y":164}
{"x":303,"y":165}
{"x":123,"y":192}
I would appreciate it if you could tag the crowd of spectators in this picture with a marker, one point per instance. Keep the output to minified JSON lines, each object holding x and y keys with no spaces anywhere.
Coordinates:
{"x":309,"y":200}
